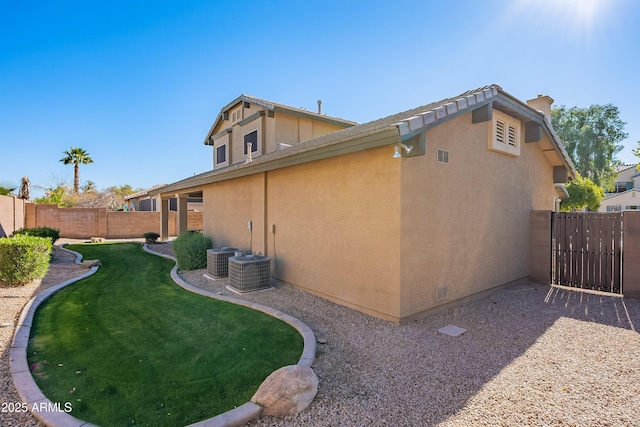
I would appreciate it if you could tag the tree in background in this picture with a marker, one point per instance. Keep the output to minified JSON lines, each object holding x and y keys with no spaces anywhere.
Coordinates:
{"x":7,"y":187}
{"x":636,"y":152}
{"x":592,"y":136}
{"x":111,"y":198}
{"x":76,"y":156}
{"x":25,"y":189}
{"x":58,"y":195}
{"x":582,"y":193}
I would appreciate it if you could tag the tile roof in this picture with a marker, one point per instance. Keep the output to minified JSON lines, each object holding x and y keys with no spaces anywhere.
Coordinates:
{"x":144,"y":192}
{"x":269,"y":105}
{"x":402,"y":124}
{"x":620,"y":168}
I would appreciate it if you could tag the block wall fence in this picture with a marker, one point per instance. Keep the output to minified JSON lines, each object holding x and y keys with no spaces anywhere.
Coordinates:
{"x":84,"y":223}
{"x":12,"y":214}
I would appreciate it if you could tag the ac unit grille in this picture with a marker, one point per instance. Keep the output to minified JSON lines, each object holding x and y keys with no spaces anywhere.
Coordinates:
{"x":218,"y":261}
{"x":249,"y":273}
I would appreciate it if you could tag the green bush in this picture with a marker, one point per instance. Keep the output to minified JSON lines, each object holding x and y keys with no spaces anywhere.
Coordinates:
{"x":51,"y":233}
{"x":191,"y":250}
{"x":151,"y":236}
{"x":24,"y":258}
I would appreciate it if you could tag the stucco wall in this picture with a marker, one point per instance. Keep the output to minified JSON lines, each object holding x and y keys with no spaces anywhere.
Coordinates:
{"x":229,"y":206}
{"x":336,"y":226}
{"x":466,"y":224}
{"x":631,"y":258}
{"x":381,"y":234}
{"x":291,"y":129}
{"x":12,"y":215}
{"x":337,"y":229}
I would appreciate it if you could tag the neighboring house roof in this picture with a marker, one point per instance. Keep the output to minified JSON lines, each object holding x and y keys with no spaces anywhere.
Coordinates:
{"x":612,"y":196}
{"x":273,"y":106}
{"x":144,"y":192}
{"x":401,"y":126}
{"x":621,"y":168}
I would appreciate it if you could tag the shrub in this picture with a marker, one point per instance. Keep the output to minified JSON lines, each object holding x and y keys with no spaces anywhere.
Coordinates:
{"x":24,"y":258}
{"x":151,"y":236}
{"x":191,"y":250}
{"x":51,"y":233}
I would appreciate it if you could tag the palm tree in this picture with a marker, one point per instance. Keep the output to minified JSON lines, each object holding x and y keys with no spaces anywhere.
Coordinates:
{"x":25,"y":189}
{"x":7,"y":187}
{"x":76,"y":156}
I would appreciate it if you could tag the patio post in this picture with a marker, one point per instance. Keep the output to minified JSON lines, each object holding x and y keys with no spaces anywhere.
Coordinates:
{"x":182,"y":213}
{"x":164,"y":219}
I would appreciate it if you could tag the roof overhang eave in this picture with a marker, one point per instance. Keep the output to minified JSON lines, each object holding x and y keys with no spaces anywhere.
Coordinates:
{"x":285,"y":158}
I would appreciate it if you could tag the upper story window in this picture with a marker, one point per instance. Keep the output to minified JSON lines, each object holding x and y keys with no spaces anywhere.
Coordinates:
{"x":621,"y":187}
{"x":221,"y":154}
{"x":504,"y":134}
{"x":251,"y":139}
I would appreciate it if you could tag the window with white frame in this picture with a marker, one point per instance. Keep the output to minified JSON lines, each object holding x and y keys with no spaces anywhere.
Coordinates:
{"x":443,"y":156}
{"x":505,"y":134}
{"x":221,"y":154}
{"x":251,"y":139}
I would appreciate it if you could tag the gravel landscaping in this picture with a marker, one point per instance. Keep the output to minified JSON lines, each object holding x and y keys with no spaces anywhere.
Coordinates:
{"x":532,"y":356}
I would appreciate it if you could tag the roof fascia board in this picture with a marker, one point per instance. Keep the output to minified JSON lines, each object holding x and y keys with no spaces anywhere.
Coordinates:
{"x":373,"y":140}
{"x":217,"y":136}
{"x":251,"y":118}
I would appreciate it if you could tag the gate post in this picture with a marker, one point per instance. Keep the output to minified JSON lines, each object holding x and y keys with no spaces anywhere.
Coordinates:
{"x":631,"y":255}
{"x":540,"y":265}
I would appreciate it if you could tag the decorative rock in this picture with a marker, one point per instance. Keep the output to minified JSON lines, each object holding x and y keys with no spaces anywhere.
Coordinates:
{"x":287,"y":391}
{"x":92,"y":263}
{"x":97,"y":240}
{"x":322,"y":341}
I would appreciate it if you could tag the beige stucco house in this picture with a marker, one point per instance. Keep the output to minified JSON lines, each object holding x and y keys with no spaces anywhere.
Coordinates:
{"x":398,"y":217}
{"x":626,"y":191}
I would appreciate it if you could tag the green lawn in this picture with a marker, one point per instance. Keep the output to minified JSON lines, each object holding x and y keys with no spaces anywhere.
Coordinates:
{"x":127,"y":346}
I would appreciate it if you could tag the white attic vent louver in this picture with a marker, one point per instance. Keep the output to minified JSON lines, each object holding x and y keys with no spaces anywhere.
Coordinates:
{"x":500,"y":125}
{"x":511,"y":136}
{"x":504,"y":134}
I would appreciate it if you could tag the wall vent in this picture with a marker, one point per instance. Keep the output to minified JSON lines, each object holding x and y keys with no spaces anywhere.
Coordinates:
{"x":282,"y":146}
{"x":442,"y":293}
{"x":218,"y":261}
{"x":443,"y":156}
{"x":249,"y":273}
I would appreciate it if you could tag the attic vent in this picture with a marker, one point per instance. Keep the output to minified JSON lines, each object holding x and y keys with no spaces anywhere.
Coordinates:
{"x":442,"y":293}
{"x":500,"y":125}
{"x":249,"y":273}
{"x":443,"y":156}
{"x":218,"y":261}
{"x":282,"y":146}
{"x":504,"y":136}
{"x":511,"y":135}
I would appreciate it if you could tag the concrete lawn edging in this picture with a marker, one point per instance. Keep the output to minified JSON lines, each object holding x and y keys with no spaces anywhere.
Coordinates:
{"x":47,"y":412}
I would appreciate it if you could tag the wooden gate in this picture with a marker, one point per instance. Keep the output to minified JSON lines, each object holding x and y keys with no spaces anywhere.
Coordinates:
{"x":587,"y":250}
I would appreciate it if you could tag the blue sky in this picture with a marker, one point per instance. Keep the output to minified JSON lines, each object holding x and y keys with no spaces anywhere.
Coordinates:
{"x":138,"y":83}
